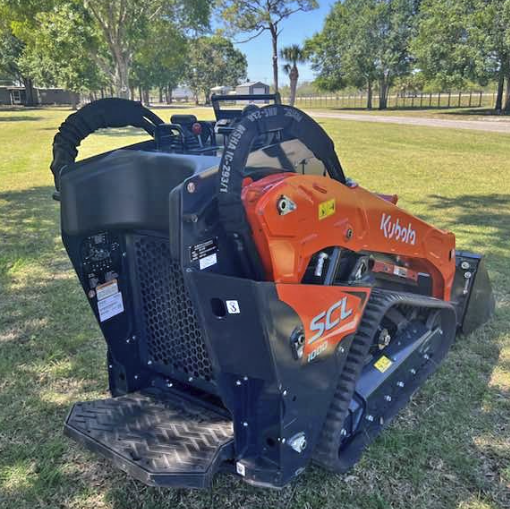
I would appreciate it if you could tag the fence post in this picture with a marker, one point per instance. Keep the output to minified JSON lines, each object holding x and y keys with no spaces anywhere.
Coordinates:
{"x":470,"y":97}
{"x":439,"y":100}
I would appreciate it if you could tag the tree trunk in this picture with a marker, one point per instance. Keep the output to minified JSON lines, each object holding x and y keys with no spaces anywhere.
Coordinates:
{"x":146,"y":97}
{"x":169,"y":98}
{"x":274,"y":37}
{"x":30,"y":98}
{"x":506,"y":108}
{"x":121,"y":81}
{"x":294,"y":77}
{"x":132,"y":93}
{"x":369,"y":95}
{"x":501,"y":89}
{"x":102,"y":93}
{"x":293,"y":87}
{"x":140,"y":94}
{"x":160,"y":95}
{"x":383,"y":94}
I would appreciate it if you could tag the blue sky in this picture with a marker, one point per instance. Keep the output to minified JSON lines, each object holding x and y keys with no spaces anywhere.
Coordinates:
{"x":295,"y":30}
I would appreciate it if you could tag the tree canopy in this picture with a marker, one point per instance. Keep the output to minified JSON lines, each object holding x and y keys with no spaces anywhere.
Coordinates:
{"x":374,"y":45}
{"x":259,"y":16}
{"x":293,"y":55}
{"x":364,"y":42}
{"x":125,"y":26}
{"x":59,"y":51}
{"x":465,"y":40}
{"x":84,"y":44}
{"x":214,"y":61}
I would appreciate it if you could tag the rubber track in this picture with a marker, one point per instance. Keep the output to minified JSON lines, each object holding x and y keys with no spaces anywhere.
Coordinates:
{"x":326,"y":451}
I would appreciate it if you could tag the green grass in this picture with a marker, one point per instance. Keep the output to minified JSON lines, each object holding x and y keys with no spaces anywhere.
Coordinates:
{"x":450,"y":448}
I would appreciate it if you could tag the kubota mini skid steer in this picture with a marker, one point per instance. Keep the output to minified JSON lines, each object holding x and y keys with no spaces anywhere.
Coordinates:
{"x":261,"y":311}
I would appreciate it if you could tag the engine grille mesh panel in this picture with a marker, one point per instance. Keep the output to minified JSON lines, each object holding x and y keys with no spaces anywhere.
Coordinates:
{"x":173,"y":336}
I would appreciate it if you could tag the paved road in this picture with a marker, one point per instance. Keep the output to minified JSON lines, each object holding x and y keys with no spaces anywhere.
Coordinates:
{"x":475,"y":125}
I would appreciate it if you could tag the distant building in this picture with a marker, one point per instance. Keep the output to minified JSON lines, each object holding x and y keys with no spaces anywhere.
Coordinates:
{"x":182,"y":94}
{"x":13,"y":95}
{"x":252,"y":87}
{"x":221,"y":90}
{"x":56,"y":96}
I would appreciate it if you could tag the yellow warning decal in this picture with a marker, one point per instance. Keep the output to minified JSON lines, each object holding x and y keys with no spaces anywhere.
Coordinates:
{"x":326,"y":208}
{"x":383,"y":364}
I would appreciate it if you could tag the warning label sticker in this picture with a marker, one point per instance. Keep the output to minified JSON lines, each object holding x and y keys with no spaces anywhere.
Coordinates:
{"x":206,"y":248}
{"x":110,"y":306}
{"x":327,"y":208}
{"x":383,"y":364}
{"x":208,"y":261}
{"x":105,"y":290}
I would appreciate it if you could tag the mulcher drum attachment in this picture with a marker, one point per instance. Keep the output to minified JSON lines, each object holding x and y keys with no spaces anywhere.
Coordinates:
{"x":161,"y":441}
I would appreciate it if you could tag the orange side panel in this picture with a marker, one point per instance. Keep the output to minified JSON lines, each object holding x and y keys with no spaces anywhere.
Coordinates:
{"x":329,"y":213}
{"x":329,"y":314}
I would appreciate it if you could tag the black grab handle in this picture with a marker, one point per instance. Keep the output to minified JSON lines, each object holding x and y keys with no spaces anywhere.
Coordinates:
{"x":295,"y":124}
{"x":101,"y":114}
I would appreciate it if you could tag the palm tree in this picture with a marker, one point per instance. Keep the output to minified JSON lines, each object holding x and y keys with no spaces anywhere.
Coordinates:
{"x":293,"y":55}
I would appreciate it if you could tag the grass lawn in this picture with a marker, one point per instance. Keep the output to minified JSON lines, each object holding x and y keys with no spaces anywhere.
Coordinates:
{"x":450,"y":448}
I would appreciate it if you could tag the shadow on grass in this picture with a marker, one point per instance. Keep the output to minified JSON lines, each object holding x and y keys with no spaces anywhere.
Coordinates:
{"x":489,"y":216}
{"x":50,"y":351}
{"x":488,"y":112}
{"x":28,"y":225}
{"x":51,"y":354}
{"x":19,"y":118}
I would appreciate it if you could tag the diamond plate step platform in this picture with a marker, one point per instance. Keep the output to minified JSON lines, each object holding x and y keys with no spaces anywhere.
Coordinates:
{"x":161,"y":440}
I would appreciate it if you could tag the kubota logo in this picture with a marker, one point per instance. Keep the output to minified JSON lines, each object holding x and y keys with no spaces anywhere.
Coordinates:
{"x":329,"y":319}
{"x":394,"y":230}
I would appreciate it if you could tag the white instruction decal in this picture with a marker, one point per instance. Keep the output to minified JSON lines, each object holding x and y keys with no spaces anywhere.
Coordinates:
{"x":111,"y":306}
{"x":240,"y":469}
{"x":233,"y":307}
{"x":208,"y":261}
{"x":104,"y":291}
